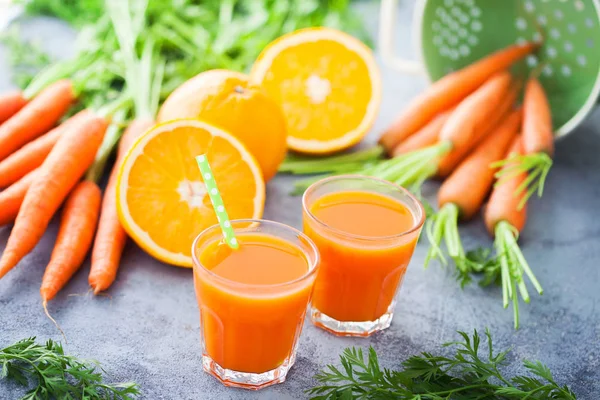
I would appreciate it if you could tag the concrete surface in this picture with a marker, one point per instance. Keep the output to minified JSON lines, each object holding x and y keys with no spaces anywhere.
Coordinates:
{"x":148,"y":330}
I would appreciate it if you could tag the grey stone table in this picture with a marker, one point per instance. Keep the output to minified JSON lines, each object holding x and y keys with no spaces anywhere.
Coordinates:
{"x":149,"y":331}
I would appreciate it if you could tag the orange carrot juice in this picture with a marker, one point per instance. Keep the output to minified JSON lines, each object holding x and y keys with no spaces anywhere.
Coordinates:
{"x":253,"y":300}
{"x":366,"y":230}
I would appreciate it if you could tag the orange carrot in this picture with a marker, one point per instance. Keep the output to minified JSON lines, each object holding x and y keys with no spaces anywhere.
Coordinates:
{"x":461,"y":128}
{"x":71,"y":156}
{"x":426,"y":136}
{"x":505,"y":218}
{"x":503,"y":204}
{"x":37,"y":117}
{"x":28,"y":157}
{"x":10,"y":104}
{"x":538,"y":143}
{"x":12,"y":197}
{"x":537,"y":120}
{"x":470,"y":183}
{"x":452,"y":159}
{"x":460,"y":133}
{"x":463,"y":193}
{"x":31,"y":156}
{"x":75,"y":235}
{"x":111,"y":237}
{"x":449,"y":91}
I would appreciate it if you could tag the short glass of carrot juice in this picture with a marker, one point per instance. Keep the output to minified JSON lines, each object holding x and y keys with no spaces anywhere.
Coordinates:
{"x":366,"y":230}
{"x":252,"y":300}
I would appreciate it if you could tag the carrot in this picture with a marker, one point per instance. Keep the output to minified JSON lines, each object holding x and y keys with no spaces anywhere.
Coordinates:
{"x":147,"y":79}
{"x":461,"y":129}
{"x":28,"y":157}
{"x":469,"y":184}
{"x":505,"y":218}
{"x":75,"y":235}
{"x":32,"y":155}
{"x":111,"y":237}
{"x":452,"y":159}
{"x":12,"y":197}
{"x":10,"y":104}
{"x":463,"y":193}
{"x":426,"y":136}
{"x":537,"y":120}
{"x":71,"y":156}
{"x":503,"y":204}
{"x":449,"y":91}
{"x":37,"y":117}
{"x":538,"y":143}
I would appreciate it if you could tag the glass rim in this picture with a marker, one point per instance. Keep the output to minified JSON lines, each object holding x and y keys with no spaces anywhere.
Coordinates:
{"x":418,"y":223}
{"x":312,"y":266}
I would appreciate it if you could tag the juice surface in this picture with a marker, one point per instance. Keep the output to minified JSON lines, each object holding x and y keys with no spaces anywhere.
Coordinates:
{"x":358,"y":278}
{"x":252,"y":327}
{"x":363,"y":213}
{"x":260,"y":260}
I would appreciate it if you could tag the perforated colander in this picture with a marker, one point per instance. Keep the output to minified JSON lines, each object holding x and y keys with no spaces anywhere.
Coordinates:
{"x":450,"y":34}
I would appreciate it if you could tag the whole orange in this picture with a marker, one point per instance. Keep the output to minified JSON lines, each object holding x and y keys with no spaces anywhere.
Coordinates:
{"x":228,"y":100}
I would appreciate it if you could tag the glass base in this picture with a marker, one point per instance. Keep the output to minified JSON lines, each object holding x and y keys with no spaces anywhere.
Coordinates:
{"x":247,"y":380}
{"x":352,"y":328}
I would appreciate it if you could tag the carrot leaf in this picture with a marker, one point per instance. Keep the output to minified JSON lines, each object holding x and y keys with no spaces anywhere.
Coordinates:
{"x":143,"y":81}
{"x":27,"y":58}
{"x":54,"y":374}
{"x":303,"y":165}
{"x":537,"y":166}
{"x":481,"y":260}
{"x":128,"y":20}
{"x":469,"y":368}
{"x":111,"y":138}
{"x":434,"y":230}
{"x":514,"y":268}
{"x":412,"y":169}
{"x":443,"y":226}
{"x":189,"y":34}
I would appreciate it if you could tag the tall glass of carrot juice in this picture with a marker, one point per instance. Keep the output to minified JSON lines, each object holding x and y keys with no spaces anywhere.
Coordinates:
{"x":252,"y":300}
{"x":366,"y":230}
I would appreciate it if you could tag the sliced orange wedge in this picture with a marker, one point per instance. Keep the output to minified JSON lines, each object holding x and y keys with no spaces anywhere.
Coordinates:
{"x":161,"y":197}
{"x":326,"y":82}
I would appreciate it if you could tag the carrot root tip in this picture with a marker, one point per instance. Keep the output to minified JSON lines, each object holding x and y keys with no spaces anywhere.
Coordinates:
{"x":98,"y":291}
{"x":80,"y":294}
{"x":45,"y":305}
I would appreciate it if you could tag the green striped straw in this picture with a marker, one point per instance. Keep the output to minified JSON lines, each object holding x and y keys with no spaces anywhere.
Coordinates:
{"x":217,"y":201}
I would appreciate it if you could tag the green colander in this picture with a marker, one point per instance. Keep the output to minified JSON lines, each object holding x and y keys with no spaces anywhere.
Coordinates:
{"x":450,"y":34}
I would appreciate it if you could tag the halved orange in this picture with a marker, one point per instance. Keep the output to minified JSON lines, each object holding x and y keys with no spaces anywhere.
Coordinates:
{"x":326,"y":82}
{"x":227,"y":100}
{"x":161,"y":197}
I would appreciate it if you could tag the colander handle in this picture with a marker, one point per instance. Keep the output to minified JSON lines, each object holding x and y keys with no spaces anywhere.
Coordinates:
{"x":387,"y":24}
{"x":8,"y":12}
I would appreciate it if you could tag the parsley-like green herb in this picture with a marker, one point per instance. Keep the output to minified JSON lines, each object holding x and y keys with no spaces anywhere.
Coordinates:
{"x":466,"y":375}
{"x":55,"y":375}
{"x":27,"y":59}
{"x":481,"y":261}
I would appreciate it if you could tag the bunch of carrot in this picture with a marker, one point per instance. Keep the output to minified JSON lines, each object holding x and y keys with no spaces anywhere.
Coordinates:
{"x":506,"y":138}
{"x":468,"y":129}
{"x":43,"y":171}
{"x":43,"y":164}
